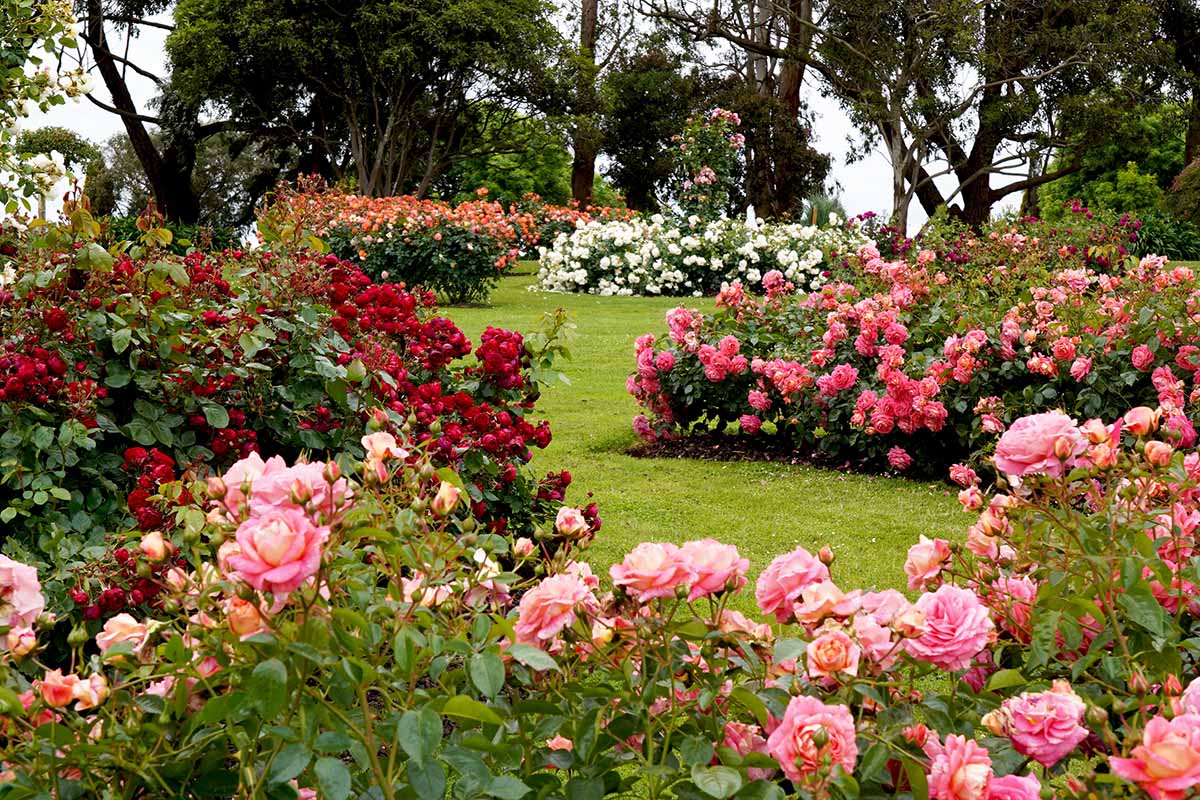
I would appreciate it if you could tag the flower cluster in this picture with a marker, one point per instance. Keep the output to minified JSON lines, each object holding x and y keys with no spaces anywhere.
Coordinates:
{"x":707,"y":151}
{"x":658,"y":257}
{"x":920,"y":361}
{"x":123,"y":379}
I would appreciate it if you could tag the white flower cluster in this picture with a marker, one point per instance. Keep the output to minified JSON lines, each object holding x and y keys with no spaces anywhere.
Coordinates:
{"x":654,"y":256}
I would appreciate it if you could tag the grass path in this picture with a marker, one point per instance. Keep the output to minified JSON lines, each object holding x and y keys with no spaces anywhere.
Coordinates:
{"x":765,"y":509}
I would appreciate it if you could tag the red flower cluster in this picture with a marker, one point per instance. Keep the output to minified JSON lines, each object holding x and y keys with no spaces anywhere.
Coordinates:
{"x":152,"y":469}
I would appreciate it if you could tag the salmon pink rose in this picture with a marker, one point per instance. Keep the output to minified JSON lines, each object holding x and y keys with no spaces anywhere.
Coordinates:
{"x":57,"y":690}
{"x":1167,"y":762}
{"x":21,"y":600}
{"x":652,"y":570}
{"x":831,"y":652}
{"x":792,"y":745}
{"x":744,"y":739}
{"x":1045,"y":726}
{"x":121,"y":628}
{"x":957,"y":627}
{"x":925,"y":562}
{"x":280,"y":550}
{"x":570,"y":522}
{"x":548,"y":608}
{"x":273,"y":483}
{"x":1039,"y":444}
{"x":716,"y":567}
{"x":959,"y":770}
{"x":785,"y":578}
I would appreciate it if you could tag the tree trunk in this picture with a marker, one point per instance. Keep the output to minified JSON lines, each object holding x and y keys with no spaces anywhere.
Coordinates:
{"x":585,"y":141}
{"x":791,"y":78}
{"x":172,"y":192}
{"x":1191,"y":147}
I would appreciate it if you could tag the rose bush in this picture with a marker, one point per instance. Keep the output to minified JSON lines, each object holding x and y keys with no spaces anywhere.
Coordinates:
{"x":124,"y":375}
{"x":656,"y":256}
{"x":917,"y":362}
{"x":1051,"y":653}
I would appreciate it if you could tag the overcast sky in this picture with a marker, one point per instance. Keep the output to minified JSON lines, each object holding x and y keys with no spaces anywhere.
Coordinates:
{"x":864,"y":185}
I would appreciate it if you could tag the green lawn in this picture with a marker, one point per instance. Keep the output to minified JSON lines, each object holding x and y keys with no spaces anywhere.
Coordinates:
{"x":765,"y":509}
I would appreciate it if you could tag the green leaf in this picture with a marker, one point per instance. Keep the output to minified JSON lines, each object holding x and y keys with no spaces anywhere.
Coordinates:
{"x":420,"y":733}
{"x":507,"y":787}
{"x":288,"y":763}
{"x":120,"y":339}
{"x":487,"y":673}
{"x":464,"y":707}
{"x":718,"y":782}
{"x":1006,"y":679}
{"x":428,"y":780}
{"x":268,"y":687}
{"x":695,"y":750}
{"x":916,"y":778}
{"x":532,"y":657}
{"x":1145,"y":611}
{"x":216,"y":415}
{"x":93,"y":257}
{"x":333,"y":779}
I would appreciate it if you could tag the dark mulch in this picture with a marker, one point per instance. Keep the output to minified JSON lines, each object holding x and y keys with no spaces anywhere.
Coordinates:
{"x":721,"y":447}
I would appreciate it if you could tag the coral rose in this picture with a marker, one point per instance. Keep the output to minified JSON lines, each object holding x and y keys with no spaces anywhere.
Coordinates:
{"x":785,"y":578}
{"x":715,"y":567}
{"x":957,"y":627}
{"x":925,"y":561}
{"x":57,"y":690}
{"x":548,"y":608}
{"x":652,"y":570}
{"x":1040,"y":443}
{"x":792,"y":745}
{"x":21,"y":600}
{"x":1167,"y":762}
{"x":280,"y":550}
{"x":831,"y":652}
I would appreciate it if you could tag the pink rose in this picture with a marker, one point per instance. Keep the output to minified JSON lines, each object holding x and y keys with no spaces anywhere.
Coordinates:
{"x":1141,"y":420}
{"x":560,"y":742}
{"x":570,"y":522}
{"x":1167,"y":762}
{"x":21,"y":600}
{"x":957,"y":627}
{"x":715,"y":566}
{"x":119,"y":629}
{"x":57,"y":690}
{"x":665,"y":361}
{"x":280,"y":550}
{"x":272,"y":483}
{"x":1190,"y":701}
{"x":744,"y":739}
{"x":1039,"y":443}
{"x":1080,"y":367}
{"x":523,"y":547}
{"x":750,"y":424}
{"x":899,"y":459}
{"x":792,"y":745}
{"x":925,"y":562}
{"x":963,"y":475}
{"x":785,"y":579}
{"x":1015,"y":787}
{"x":1141,"y":357}
{"x":1045,"y":726}
{"x":831,"y":652}
{"x":652,"y":570}
{"x":959,"y":770}
{"x":548,"y":608}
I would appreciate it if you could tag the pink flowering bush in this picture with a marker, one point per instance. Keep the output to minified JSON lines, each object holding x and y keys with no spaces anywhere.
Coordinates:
{"x":1049,"y":653}
{"x":912,"y":363}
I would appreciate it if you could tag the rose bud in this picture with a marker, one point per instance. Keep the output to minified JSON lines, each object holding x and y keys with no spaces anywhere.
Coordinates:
{"x":1141,"y":420}
{"x":570,"y":522}
{"x":1159,"y":453}
{"x":243,"y":617}
{"x":523,"y":547}
{"x":446,"y":499}
{"x":154,"y":547}
{"x":21,"y":641}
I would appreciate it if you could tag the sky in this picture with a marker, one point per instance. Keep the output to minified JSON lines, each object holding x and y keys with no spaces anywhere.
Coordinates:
{"x":864,"y":185}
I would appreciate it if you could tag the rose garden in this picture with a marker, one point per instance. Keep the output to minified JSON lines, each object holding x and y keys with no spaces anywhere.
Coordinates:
{"x":431,"y":488}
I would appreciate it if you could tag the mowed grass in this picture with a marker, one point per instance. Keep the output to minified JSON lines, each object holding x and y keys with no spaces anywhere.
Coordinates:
{"x":764,"y":508}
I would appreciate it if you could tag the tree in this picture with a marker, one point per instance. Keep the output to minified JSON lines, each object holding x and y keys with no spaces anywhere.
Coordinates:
{"x":543,"y":168}
{"x":648,"y":97}
{"x":407,"y":85}
{"x":30,"y":33}
{"x":1180,"y":26}
{"x":77,"y":151}
{"x":968,"y":89}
